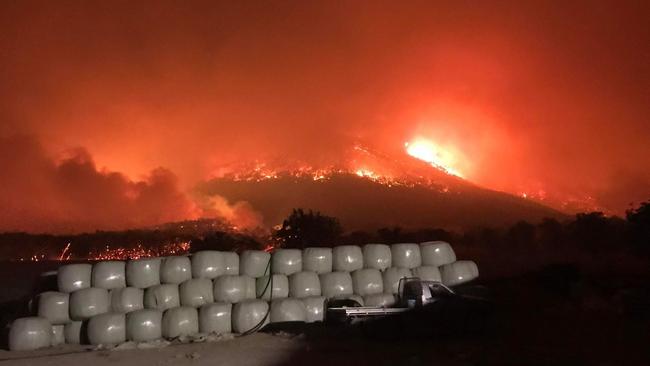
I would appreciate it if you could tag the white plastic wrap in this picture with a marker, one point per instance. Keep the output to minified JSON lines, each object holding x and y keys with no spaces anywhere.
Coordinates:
{"x":336,"y":284}
{"x":144,"y":325}
{"x":30,"y":333}
{"x":127,"y":299}
{"x":437,"y":253}
{"x":406,"y":255}
{"x":196,"y":292}
{"x":162,"y":297}
{"x":391,"y":278}
{"x":280,"y":287}
{"x":107,"y":329}
{"x":72,"y":332}
{"x":251,"y":290}
{"x":286,"y":261}
{"x":231,"y":263}
{"x":143,"y":273}
{"x":182,"y":321}
{"x":109,"y":274}
{"x":58,"y":336}
{"x":317,"y":260}
{"x":246,"y":315}
{"x":89,"y":302}
{"x":427,"y":273}
{"x":73,"y":277}
{"x":304,"y":284}
{"x":377,"y":256}
{"x":367,"y":282}
{"x":347,"y":258}
{"x":254,"y":263}
{"x":314,"y":308}
{"x":288,"y":310}
{"x":54,"y":306}
{"x":176,"y":269}
{"x":379,"y":300}
{"x":233,"y":289}
{"x":458,"y":272}
{"x":215,"y":318}
{"x":208,"y":264}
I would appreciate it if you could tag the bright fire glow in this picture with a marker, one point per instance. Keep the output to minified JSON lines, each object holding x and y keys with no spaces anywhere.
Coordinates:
{"x":433,"y":154}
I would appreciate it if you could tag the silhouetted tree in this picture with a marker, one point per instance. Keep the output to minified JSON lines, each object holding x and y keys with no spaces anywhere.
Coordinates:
{"x":595,"y":231}
{"x":639,"y":228}
{"x":551,"y":233}
{"x":522,"y":235}
{"x":302,"y":229}
{"x":390,"y":235}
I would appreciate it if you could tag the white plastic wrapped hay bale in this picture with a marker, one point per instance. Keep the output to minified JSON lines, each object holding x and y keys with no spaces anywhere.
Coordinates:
{"x":175,"y":270}
{"x":127,"y":299}
{"x":336,"y":284}
{"x":143,"y":273}
{"x":107,"y":329}
{"x":251,"y":289}
{"x":72,"y":332}
{"x":215,"y":318}
{"x":254,"y":263}
{"x":286,"y":261}
{"x":248,"y":314}
{"x":437,"y":253}
{"x":208,"y":264}
{"x":196,"y":292}
{"x":30,"y":333}
{"x":347,"y":258}
{"x":427,"y":273}
{"x":317,"y":260}
{"x":144,"y":325}
{"x":54,"y":306}
{"x":405,"y":255}
{"x":58,"y":335}
{"x":304,"y":284}
{"x":109,"y":274}
{"x":279,"y":287}
{"x":89,"y":302}
{"x":314,"y":308}
{"x":367,"y":281}
{"x":73,"y":277}
{"x":458,"y":272}
{"x":379,"y":300}
{"x":162,"y":297}
{"x":231,"y":263}
{"x":233,"y":289}
{"x":181,"y":321}
{"x":377,"y":256}
{"x":288,"y":310}
{"x":391,"y":278}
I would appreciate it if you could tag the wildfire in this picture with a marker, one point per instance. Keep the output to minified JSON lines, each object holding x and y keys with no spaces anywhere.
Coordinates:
{"x":122,"y":253}
{"x":433,"y":154}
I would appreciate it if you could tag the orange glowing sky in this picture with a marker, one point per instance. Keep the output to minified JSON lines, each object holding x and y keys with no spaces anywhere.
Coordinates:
{"x":543,"y":99}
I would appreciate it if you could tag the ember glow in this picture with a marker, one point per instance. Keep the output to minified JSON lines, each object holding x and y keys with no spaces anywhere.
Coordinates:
{"x":431,"y":153}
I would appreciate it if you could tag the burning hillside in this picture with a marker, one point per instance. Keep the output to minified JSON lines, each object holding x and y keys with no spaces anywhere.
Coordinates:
{"x":372,"y":189}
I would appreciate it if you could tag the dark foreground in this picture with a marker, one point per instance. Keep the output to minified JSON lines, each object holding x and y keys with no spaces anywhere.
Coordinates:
{"x":551,"y":317}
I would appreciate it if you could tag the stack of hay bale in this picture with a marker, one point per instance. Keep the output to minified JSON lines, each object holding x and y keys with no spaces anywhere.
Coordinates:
{"x":143,"y":300}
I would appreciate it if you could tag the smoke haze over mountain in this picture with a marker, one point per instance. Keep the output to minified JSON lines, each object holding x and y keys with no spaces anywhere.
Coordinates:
{"x":112,"y":112}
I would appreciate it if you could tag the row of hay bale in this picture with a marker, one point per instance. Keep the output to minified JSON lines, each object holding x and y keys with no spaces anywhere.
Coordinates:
{"x":222,"y":292}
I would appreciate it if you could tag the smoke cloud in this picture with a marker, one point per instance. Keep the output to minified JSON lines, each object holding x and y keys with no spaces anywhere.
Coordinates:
{"x":40,"y":194}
